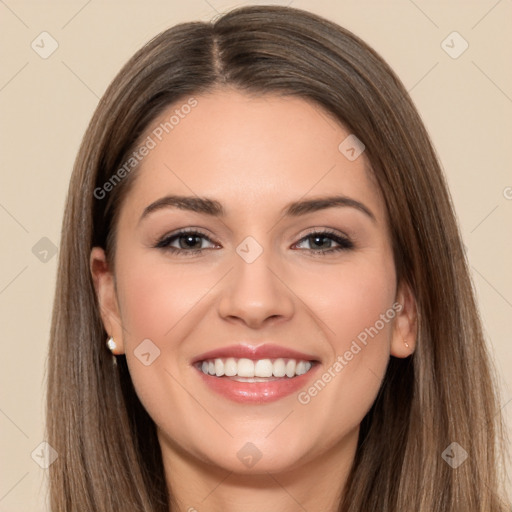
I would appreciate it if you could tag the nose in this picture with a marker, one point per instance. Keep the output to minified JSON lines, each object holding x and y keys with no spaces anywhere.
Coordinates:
{"x":256,"y":293}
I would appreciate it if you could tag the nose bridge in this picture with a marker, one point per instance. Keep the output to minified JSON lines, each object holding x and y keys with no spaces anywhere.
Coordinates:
{"x":255,"y":290}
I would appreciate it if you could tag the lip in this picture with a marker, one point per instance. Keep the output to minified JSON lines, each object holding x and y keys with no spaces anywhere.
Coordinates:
{"x":256,"y":392}
{"x":266,"y":351}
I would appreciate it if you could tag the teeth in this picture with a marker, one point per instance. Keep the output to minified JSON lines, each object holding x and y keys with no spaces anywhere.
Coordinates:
{"x":301,"y":368}
{"x":230,"y":367}
{"x":245,"y":368}
{"x":279,"y":368}
{"x":261,"y":368}
{"x":290,"y":368}
{"x":219,"y":367}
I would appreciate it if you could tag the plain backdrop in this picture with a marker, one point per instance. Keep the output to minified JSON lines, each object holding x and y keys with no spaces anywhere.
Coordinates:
{"x":464,"y":96}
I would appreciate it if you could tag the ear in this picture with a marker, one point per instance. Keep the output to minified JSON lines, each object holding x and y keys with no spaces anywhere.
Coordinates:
{"x":104,"y":284}
{"x":405,"y":324}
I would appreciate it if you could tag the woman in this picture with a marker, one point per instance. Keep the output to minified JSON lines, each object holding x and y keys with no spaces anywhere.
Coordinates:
{"x":247,"y":367}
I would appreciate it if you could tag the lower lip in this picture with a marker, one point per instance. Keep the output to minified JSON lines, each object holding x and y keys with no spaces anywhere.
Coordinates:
{"x":257,"y":392}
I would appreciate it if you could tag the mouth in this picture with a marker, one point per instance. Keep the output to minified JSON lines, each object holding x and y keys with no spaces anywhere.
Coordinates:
{"x":253,"y":379}
{"x":261,"y":370}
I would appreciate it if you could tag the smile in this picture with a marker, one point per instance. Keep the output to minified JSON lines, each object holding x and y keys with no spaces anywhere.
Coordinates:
{"x":254,"y":382}
{"x":261,"y":370}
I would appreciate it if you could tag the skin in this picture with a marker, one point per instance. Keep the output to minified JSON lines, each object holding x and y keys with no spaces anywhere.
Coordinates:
{"x":254,"y":155}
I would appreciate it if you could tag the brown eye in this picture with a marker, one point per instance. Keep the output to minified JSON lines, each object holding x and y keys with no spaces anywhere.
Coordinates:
{"x":321,"y":242}
{"x":188,"y":242}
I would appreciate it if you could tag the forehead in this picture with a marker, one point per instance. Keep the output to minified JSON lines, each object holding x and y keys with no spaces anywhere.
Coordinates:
{"x":249,"y":151}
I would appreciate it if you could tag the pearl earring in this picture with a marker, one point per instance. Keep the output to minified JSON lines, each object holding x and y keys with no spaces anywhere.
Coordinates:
{"x":406,"y":344}
{"x":111,"y":344}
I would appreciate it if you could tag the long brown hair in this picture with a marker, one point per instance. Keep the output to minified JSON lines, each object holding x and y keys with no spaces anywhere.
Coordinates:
{"x":109,"y":457}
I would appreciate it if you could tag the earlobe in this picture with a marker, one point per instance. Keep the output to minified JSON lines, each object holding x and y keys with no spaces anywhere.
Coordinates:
{"x":104,"y":286}
{"x":405,"y":327}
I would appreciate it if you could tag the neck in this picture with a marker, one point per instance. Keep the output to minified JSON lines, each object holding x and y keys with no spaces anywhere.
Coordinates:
{"x":316,"y":485}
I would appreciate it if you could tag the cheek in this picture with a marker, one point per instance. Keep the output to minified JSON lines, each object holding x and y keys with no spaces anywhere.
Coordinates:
{"x":157,"y":296}
{"x":158,"y":302}
{"x":156,"y":299}
{"x":356,"y":307}
{"x":357,"y":302}
{"x":355,"y":296}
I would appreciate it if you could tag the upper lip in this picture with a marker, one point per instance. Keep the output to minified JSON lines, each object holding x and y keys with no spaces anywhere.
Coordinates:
{"x":265,"y":351}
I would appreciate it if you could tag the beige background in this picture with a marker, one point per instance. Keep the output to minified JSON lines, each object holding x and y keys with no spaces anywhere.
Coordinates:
{"x":466,"y":103}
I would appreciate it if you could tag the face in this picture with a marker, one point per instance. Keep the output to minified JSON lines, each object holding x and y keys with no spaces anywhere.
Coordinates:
{"x":250,"y":275}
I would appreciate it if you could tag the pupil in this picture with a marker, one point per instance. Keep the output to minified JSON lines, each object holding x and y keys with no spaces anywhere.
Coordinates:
{"x":189,"y":240}
{"x":317,"y":238}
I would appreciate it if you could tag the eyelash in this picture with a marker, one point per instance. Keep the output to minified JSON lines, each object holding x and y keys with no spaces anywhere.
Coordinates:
{"x":343,"y":242}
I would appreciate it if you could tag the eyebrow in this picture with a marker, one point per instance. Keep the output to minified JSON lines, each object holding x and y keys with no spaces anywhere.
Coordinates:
{"x":214,"y":208}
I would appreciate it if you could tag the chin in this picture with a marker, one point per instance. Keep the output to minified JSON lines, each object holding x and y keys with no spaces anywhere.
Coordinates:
{"x":256,"y":454}
{"x":250,"y":460}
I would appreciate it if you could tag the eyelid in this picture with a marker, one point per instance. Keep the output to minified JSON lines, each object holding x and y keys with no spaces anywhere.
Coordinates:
{"x":344,"y":242}
{"x":300,"y":237}
{"x":182,"y":231}
{"x":324,"y":231}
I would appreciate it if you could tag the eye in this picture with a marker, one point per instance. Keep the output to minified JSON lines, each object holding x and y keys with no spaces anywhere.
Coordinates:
{"x":317,"y":240}
{"x":189,"y":241}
